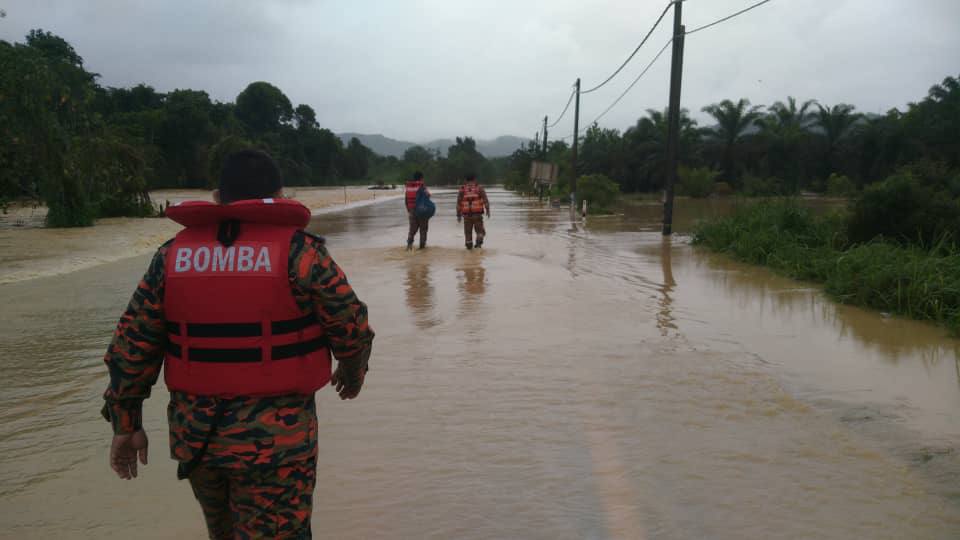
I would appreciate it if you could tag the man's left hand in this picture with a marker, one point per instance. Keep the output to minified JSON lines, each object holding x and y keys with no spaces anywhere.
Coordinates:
{"x":125,"y":450}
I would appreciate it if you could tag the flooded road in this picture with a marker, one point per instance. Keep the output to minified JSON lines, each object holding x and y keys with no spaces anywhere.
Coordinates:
{"x":583,"y":383}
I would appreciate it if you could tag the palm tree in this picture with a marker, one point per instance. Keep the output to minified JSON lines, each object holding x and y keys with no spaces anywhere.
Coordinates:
{"x":786,"y":119}
{"x":834,"y":122}
{"x":646,"y":142}
{"x":732,"y":119}
{"x":785,"y":126}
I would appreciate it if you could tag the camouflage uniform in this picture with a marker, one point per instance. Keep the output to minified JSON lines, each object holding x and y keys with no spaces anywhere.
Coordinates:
{"x":473,"y":221}
{"x":244,"y":451}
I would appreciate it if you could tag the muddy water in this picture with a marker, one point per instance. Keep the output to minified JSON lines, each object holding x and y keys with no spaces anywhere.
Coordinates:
{"x":588,"y":382}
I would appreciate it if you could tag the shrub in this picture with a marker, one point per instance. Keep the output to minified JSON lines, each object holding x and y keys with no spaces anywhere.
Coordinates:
{"x":697,"y":182}
{"x":754,"y":186}
{"x":723,"y":189}
{"x":599,"y":191}
{"x":839,"y":185}
{"x":904,"y":210}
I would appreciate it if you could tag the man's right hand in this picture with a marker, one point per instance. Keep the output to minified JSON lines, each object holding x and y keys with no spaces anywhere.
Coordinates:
{"x":348,"y":381}
{"x":459,"y":218}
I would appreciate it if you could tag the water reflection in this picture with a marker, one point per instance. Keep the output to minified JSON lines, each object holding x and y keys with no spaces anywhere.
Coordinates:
{"x":665,"y":319}
{"x":762,"y":293}
{"x":472,"y":284}
{"x":420,"y":293}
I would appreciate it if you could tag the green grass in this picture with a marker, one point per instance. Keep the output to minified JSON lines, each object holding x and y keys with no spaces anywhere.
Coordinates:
{"x":920,"y":283}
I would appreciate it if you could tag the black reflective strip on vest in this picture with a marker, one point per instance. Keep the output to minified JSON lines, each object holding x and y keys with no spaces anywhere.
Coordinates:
{"x":241,"y":330}
{"x":293,"y":325}
{"x":248,"y":356}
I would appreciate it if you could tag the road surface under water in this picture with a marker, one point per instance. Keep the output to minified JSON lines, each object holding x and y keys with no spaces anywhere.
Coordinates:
{"x":585,"y":383}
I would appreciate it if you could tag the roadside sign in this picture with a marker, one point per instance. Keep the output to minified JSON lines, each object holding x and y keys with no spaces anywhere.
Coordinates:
{"x":544,"y":173}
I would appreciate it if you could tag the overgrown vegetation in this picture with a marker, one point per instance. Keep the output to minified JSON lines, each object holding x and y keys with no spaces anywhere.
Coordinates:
{"x":920,"y":281}
{"x":784,"y":149}
{"x":599,"y":191}
{"x":90,"y":151}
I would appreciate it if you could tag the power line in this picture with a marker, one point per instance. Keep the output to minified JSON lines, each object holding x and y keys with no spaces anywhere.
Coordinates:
{"x":635,"y":81}
{"x":567,"y":106}
{"x":727,"y":18}
{"x":659,"y":54}
{"x":634,"y":53}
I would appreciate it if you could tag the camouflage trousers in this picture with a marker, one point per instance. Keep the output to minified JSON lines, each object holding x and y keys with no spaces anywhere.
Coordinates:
{"x":247,"y":504}
{"x":473,"y":223}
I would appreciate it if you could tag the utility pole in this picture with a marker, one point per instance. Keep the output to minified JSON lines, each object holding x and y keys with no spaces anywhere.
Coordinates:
{"x":544,"y":138}
{"x":536,"y":140}
{"x":576,"y":137}
{"x":673,"y":122}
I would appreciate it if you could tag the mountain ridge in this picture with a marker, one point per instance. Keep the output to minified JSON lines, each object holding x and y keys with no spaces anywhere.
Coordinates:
{"x":503,"y":145}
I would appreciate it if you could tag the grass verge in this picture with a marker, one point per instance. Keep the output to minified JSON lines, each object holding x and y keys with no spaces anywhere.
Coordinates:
{"x":917,"y":282}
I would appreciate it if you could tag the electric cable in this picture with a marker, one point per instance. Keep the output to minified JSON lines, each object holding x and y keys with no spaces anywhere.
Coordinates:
{"x":635,"y":81}
{"x":567,"y":106}
{"x":634,"y":53}
{"x":727,"y":18}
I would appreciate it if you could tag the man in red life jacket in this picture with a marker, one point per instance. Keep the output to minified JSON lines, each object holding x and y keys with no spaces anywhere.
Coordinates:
{"x":243,"y":309}
{"x":410,"y":199}
{"x":472,"y":203}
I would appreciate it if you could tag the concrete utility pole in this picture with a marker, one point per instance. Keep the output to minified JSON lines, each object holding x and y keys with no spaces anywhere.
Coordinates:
{"x":673,"y":122}
{"x":576,"y":138}
{"x":544,"y":138}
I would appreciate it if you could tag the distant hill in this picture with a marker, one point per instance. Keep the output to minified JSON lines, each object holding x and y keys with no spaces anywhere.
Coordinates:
{"x":385,"y":146}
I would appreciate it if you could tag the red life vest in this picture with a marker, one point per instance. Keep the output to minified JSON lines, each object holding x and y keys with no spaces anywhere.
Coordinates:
{"x":233,"y":325}
{"x":471,"y":199}
{"x":412,"y":187}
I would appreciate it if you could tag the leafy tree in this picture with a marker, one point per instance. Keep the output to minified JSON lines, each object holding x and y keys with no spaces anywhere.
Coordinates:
{"x":417,"y":155}
{"x":262,"y":107}
{"x":305,"y":118}
{"x":356,"y":160}
{"x":185,"y":135}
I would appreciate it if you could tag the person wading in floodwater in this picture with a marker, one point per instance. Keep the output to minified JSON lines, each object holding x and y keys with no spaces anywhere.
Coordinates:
{"x":419,"y":209}
{"x":472,"y":202}
{"x":243,"y":310}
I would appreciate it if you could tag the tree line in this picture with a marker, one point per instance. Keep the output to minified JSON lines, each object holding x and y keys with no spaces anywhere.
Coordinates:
{"x":788,"y":147}
{"x":89,"y":151}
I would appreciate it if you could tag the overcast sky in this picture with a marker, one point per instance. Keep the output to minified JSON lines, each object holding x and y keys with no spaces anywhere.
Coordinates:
{"x":421,"y":69}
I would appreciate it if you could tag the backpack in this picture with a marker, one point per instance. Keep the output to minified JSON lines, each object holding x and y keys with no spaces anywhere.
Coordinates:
{"x":424,"y":207}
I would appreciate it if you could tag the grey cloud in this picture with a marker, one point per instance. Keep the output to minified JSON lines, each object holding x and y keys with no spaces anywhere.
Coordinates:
{"x":434,"y":68}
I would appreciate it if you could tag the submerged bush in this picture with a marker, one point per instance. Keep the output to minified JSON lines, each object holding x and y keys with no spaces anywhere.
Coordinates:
{"x":755,"y":186}
{"x":839,"y":185}
{"x":922,"y":283}
{"x":905,"y":210}
{"x":779,"y":234}
{"x":697,"y":182}
{"x":599,"y":191}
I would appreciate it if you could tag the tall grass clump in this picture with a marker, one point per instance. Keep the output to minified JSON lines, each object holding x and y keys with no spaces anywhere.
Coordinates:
{"x":779,"y":234}
{"x":921,"y":282}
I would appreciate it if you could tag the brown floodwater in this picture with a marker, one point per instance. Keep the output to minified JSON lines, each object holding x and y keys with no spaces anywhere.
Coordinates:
{"x":588,"y":382}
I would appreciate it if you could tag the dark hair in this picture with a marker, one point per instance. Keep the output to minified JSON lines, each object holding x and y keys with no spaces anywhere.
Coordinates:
{"x":418,"y":175}
{"x":249,"y":174}
{"x":471,"y":176}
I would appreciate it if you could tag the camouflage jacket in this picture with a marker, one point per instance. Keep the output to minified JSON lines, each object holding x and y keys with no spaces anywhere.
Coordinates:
{"x":251,"y":431}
